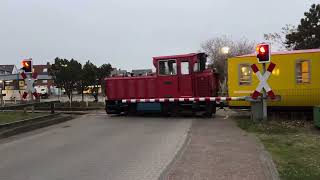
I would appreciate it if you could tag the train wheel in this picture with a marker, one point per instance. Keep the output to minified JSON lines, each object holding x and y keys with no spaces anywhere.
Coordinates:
{"x":165,"y":109}
{"x":214,"y":108}
{"x":132,"y":109}
{"x":175,"y":109}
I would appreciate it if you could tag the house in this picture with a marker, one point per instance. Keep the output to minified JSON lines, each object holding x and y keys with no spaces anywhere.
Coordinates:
{"x":46,"y":80}
{"x":141,"y":72}
{"x":3,"y":71}
{"x":8,"y":69}
{"x":118,"y":72}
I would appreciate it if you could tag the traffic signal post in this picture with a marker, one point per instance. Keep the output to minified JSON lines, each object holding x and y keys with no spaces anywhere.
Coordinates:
{"x":264,"y":98}
{"x":263,"y":56}
{"x":259,"y":106}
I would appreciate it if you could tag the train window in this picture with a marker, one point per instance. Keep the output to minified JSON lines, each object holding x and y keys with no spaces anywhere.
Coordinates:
{"x":303,"y":73}
{"x":168,"y":67}
{"x":185,"y":67}
{"x":203,"y":61}
{"x":196,"y":67}
{"x":245,"y":74}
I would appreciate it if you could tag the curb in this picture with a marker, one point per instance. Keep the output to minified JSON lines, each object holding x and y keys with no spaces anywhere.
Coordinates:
{"x":178,"y":155}
{"x":26,"y":121}
{"x":71,"y":109}
{"x":266,"y":160}
{"x":33,"y":126}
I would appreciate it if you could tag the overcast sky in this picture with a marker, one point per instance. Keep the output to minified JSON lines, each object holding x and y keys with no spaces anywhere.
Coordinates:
{"x":128,"y":33}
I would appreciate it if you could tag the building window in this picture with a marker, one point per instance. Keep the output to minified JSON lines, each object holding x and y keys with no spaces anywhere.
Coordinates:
{"x":185,"y":67}
{"x":245,"y":74}
{"x":168,"y":67}
{"x":45,"y":70}
{"x":303,"y":72}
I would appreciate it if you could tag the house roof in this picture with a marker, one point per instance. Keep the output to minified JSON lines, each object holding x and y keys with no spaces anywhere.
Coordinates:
{"x":2,"y":69}
{"x":286,"y":52}
{"x":7,"y":68}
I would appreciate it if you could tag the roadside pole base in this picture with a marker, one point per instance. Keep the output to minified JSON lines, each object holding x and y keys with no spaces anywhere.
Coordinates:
{"x":256,"y":110}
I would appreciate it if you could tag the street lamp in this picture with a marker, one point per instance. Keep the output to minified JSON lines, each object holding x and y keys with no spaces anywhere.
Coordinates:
{"x":225,"y":50}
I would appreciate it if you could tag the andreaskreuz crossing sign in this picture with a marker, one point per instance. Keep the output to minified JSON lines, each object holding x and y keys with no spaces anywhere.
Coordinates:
{"x":29,"y":83}
{"x":263,"y":84}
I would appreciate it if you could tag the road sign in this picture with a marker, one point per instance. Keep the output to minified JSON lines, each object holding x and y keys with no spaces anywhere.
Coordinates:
{"x":29,"y":82}
{"x":263,"y":84}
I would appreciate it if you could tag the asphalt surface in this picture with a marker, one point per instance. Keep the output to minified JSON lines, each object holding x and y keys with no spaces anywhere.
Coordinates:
{"x":95,"y":147}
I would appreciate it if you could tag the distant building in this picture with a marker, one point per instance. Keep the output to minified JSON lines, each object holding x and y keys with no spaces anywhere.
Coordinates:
{"x":8,"y":69}
{"x":118,"y":72}
{"x":3,"y":71}
{"x":43,"y":70}
{"x":141,"y":72}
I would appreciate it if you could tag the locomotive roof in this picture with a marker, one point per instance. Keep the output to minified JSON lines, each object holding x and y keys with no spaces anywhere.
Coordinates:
{"x":176,"y":56}
{"x":286,"y":52}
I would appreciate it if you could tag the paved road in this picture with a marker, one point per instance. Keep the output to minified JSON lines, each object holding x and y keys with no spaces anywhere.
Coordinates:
{"x":95,"y":147}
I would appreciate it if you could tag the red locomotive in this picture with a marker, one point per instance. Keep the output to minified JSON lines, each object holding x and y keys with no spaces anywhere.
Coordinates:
{"x":181,"y":83}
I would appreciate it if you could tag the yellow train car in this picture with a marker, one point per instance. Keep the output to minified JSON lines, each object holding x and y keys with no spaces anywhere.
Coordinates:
{"x":296,"y":78}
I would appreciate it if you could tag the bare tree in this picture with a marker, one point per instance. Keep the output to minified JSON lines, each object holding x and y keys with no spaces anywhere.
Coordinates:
{"x":279,"y":39}
{"x":218,"y":59}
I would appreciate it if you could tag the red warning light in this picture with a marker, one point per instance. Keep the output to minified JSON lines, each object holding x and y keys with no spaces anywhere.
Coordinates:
{"x":26,"y":65}
{"x":263,"y":53}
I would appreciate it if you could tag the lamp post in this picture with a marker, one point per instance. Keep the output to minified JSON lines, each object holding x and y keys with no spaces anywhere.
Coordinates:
{"x":225,"y":51}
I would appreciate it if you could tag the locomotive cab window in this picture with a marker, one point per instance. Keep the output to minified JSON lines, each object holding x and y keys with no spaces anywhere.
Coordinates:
{"x":196,"y":67}
{"x":245,"y":74}
{"x":303,"y":73}
{"x":184,"y":67}
{"x":168,"y":67}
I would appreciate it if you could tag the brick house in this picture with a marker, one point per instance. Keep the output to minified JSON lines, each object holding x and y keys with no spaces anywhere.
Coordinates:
{"x":42,"y":70}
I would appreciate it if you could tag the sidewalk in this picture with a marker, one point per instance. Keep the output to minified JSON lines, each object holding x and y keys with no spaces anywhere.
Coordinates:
{"x":218,"y":149}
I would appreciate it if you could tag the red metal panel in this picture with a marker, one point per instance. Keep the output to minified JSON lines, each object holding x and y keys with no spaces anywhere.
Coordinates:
{"x":120,"y":89}
{"x":110,"y":89}
{"x":185,"y":85}
{"x":151,"y":88}
{"x":131,"y":88}
{"x":167,"y":86}
{"x":141,"y":93}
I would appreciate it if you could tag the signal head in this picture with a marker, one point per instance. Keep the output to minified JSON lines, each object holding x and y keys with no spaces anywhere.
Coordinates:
{"x":27,"y":65}
{"x":263,"y":53}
